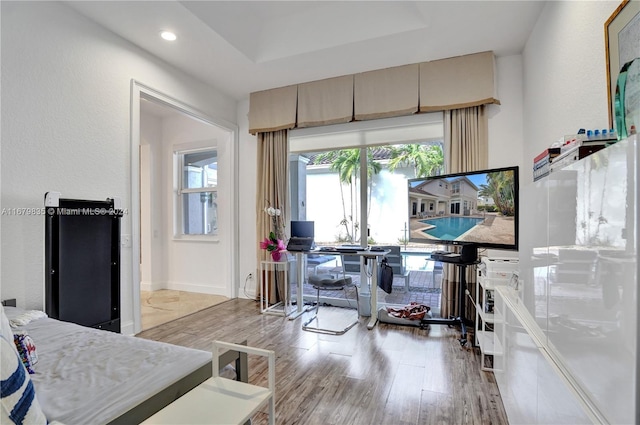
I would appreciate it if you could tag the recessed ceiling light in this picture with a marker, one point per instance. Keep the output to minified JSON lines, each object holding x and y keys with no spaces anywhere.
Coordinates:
{"x":168,"y":35}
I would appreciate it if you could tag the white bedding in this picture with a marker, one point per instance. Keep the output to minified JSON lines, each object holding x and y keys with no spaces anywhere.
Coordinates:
{"x":90,"y":376}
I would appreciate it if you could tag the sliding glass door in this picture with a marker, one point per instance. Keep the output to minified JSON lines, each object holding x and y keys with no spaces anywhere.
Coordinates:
{"x":356,"y":192}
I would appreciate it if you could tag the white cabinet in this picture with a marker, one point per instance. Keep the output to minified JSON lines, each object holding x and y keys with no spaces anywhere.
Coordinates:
{"x":490,"y":273}
{"x":578,"y":298}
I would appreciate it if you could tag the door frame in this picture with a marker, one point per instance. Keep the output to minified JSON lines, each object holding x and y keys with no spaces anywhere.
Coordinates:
{"x":139,"y":90}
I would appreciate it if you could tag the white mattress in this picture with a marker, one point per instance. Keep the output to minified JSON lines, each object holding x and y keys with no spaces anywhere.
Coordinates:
{"x":90,"y":376}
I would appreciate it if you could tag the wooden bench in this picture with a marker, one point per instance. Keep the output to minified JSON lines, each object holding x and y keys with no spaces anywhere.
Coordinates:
{"x":220,"y":400}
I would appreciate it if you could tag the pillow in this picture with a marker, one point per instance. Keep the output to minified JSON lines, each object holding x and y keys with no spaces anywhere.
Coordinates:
{"x":26,"y":349}
{"x":17,"y":393}
{"x":24,"y":318}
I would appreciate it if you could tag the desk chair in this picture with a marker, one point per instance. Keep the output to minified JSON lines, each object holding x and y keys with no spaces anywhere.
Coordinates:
{"x":330,"y":282}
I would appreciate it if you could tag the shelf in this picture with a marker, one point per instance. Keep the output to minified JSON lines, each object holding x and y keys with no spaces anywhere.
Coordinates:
{"x":491,"y":283}
{"x":488,"y":317}
{"x":488,"y":344}
{"x":493,"y":274}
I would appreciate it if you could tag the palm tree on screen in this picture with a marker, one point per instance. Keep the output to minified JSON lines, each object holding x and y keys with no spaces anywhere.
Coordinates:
{"x":500,"y":188}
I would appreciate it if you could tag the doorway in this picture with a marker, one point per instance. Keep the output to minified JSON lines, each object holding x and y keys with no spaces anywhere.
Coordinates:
{"x":178,"y":270}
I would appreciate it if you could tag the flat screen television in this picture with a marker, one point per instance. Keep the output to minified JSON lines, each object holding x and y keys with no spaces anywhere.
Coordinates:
{"x":477,"y":209}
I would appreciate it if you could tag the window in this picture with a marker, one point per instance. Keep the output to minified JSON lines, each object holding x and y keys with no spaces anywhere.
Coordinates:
{"x":327,"y":182}
{"x":396,"y":149}
{"x":196,"y":205}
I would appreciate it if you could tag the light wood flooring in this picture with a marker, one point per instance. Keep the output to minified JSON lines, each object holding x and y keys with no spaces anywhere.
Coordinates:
{"x":165,"y":305}
{"x":395,"y":375}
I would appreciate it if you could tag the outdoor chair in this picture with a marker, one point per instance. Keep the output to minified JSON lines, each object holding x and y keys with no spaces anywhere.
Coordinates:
{"x":437,"y":269}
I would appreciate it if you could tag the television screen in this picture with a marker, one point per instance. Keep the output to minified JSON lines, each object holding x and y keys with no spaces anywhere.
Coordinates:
{"x":475,"y":208}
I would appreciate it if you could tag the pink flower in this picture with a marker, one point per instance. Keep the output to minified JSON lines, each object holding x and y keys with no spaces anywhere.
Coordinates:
{"x":274,"y":245}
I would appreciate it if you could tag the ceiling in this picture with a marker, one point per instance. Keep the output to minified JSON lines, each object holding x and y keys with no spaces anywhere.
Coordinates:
{"x":245,"y":46}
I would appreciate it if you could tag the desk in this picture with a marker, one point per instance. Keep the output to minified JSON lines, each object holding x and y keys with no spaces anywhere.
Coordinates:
{"x":365,"y":257}
{"x":301,"y":268}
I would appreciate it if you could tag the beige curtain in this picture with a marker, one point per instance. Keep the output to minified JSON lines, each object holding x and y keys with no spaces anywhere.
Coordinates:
{"x":271,"y":191}
{"x":466,"y":141}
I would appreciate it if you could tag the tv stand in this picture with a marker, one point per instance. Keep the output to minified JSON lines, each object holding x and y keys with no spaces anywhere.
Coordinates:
{"x":462,"y":289}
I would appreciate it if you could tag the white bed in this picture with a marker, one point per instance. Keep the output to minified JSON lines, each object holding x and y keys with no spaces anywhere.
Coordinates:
{"x":91,"y":376}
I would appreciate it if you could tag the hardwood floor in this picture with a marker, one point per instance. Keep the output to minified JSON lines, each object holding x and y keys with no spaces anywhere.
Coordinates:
{"x":165,"y":305}
{"x":394,"y":375}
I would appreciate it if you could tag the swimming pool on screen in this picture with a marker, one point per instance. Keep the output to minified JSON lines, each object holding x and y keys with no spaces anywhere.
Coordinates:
{"x":450,"y":228}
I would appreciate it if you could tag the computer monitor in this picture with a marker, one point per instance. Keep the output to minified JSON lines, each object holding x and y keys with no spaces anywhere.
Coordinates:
{"x":473,"y":209}
{"x":302,"y":229}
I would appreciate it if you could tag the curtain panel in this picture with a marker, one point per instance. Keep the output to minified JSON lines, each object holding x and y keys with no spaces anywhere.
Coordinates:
{"x":272,"y":191}
{"x":467,"y":141}
{"x":439,"y":85}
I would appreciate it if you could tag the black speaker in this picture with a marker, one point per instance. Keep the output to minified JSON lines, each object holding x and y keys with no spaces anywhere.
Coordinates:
{"x":469,"y":254}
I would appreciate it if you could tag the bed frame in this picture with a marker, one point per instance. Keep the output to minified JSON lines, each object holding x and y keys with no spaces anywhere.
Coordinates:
{"x":171,"y":393}
{"x":175,"y":391}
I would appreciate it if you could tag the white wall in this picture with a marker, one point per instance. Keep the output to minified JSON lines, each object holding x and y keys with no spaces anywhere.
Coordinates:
{"x":202,"y":265}
{"x":565,"y":83}
{"x":505,"y":120}
{"x":246,"y":192}
{"x":66,"y":87}
{"x":152,"y":261}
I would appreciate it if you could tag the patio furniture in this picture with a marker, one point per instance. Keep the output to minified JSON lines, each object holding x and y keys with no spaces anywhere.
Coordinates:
{"x":437,"y":269}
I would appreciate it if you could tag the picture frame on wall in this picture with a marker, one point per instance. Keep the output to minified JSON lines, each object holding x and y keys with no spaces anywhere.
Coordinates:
{"x":621,"y":35}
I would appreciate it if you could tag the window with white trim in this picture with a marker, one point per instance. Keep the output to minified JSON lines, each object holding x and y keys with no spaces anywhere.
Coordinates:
{"x":197,"y":205}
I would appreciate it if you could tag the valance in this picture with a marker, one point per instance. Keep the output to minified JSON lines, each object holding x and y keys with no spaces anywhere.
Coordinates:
{"x":439,"y":85}
{"x":459,"y":82}
{"x":386,"y":93}
{"x":325,"y":102}
{"x":273,"y":110}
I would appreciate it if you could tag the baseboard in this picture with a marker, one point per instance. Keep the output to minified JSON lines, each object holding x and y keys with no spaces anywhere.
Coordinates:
{"x":199,"y":288}
{"x":152,"y":286}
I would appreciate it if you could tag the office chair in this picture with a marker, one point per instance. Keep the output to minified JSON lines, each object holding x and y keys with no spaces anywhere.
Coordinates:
{"x":330,"y":282}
